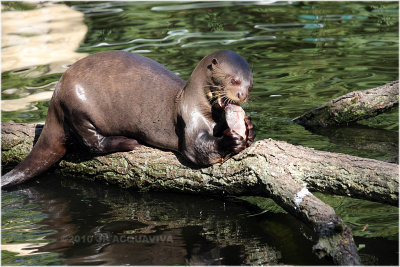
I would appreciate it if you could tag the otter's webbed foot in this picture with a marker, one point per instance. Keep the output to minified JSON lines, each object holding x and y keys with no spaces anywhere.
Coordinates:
{"x":232,"y":142}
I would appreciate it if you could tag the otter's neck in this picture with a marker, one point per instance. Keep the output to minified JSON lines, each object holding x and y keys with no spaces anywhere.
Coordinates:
{"x":193,"y":97}
{"x":196,"y":88}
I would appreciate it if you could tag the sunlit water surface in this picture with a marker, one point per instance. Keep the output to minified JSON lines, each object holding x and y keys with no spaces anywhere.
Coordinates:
{"x":302,"y":54}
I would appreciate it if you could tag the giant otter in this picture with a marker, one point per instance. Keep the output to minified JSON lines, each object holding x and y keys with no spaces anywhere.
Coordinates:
{"x":114,"y":101}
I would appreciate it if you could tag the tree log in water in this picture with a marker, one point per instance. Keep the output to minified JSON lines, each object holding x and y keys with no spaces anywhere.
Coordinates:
{"x":351,"y":107}
{"x":268,"y":168}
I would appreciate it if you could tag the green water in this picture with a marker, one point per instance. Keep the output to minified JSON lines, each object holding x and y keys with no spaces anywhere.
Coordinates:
{"x":303,"y":54}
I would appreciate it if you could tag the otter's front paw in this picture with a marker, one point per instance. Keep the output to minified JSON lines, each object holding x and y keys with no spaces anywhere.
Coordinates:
{"x":232,"y":142}
{"x":250,"y":132}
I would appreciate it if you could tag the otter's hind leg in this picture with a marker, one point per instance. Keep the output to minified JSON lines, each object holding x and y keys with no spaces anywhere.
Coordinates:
{"x":112,"y":144}
{"x":97,"y":143}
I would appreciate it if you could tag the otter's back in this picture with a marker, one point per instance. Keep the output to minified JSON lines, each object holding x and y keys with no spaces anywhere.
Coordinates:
{"x":122,"y":94}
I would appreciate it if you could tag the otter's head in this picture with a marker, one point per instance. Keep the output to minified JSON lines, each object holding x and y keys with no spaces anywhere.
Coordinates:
{"x":229,"y":78}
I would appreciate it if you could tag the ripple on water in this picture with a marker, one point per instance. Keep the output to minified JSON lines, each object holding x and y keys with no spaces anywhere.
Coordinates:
{"x":216,"y":4}
{"x":99,"y":9}
{"x":331,"y":17}
{"x":21,"y":232}
{"x":177,"y":37}
{"x":289,"y":26}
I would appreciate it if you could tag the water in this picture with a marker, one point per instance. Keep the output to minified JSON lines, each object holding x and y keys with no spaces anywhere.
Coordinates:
{"x":302,"y":54}
{"x":63,"y":221}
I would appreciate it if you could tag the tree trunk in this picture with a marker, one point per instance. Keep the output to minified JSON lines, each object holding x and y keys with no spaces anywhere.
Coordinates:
{"x":268,"y":168}
{"x":351,"y":107}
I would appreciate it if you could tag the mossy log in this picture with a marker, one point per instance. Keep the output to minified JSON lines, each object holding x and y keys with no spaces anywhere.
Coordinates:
{"x":352,"y":107}
{"x":327,"y":172}
{"x":269,"y":168}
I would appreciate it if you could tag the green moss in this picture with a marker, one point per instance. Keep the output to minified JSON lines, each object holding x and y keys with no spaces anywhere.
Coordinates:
{"x":16,"y":153}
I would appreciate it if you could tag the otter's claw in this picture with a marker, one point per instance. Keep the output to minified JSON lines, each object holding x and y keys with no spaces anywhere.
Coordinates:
{"x":233,"y":142}
{"x":250,"y":132}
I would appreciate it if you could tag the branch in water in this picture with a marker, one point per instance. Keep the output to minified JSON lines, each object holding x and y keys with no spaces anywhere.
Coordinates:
{"x":352,"y":107}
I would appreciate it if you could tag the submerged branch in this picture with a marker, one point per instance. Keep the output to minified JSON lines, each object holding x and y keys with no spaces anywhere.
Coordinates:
{"x":352,"y":107}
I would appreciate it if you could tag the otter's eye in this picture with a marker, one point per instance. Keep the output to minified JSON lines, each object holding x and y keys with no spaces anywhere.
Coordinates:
{"x":235,"y":82}
{"x":214,"y":61}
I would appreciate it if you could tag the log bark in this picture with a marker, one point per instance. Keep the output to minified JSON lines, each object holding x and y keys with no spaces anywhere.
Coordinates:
{"x":268,"y":168}
{"x":326,"y":172}
{"x":352,"y":107}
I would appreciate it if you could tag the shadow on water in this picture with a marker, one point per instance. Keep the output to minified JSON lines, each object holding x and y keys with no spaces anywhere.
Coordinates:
{"x":363,"y":137}
{"x":88,"y":223}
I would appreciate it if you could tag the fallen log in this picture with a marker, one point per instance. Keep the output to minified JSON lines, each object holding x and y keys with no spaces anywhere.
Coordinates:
{"x":326,"y":172}
{"x":268,"y":168}
{"x":352,"y":107}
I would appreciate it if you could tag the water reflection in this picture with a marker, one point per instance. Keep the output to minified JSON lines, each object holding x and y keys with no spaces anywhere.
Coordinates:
{"x":99,"y":8}
{"x":331,"y":17}
{"x":65,"y":221}
{"x":362,"y":137}
{"x":216,"y":4}
{"x":176,"y":37}
{"x":37,"y":45}
{"x":38,"y":37}
{"x":38,"y":85}
{"x":88,"y":223}
{"x":286,"y":26}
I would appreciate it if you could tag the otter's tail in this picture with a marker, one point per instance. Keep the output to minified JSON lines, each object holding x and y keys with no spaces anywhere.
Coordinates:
{"x":49,"y":149}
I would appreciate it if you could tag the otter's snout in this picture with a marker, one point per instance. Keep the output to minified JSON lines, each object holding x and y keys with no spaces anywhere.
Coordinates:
{"x":238,"y":94}
{"x":242,"y":96}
